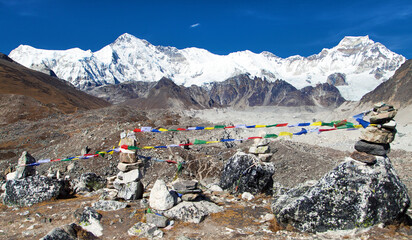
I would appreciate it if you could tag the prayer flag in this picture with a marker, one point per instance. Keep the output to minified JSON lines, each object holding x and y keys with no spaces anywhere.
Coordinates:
{"x":316,"y":124}
{"x":271,"y":136}
{"x":199,"y":141}
{"x":286,"y":134}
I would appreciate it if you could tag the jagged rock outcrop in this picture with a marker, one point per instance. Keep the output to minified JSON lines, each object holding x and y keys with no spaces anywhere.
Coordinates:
{"x":245,"y":173}
{"x":352,"y":195}
{"x":337,"y":79}
{"x":34,"y":189}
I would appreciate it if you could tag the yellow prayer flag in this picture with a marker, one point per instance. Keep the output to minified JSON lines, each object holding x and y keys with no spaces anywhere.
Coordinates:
{"x":316,"y":124}
{"x":260,"y":126}
{"x":358,"y":126}
{"x":212,"y":142}
{"x":163,"y":130}
{"x":209,"y":128}
{"x":148,"y":147}
{"x":286,"y":134}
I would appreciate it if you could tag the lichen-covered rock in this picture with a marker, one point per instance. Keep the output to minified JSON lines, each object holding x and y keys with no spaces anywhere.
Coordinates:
{"x":145,"y":230}
{"x":34,"y":189}
{"x":89,"y":220}
{"x":69,"y":232}
{"x":156,"y":219}
{"x":193,"y":212}
{"x":350,"y":196}
{"x":89,"y":182}
{"x":109,"y":205}
{"x":129,"y":191}
{"x":245,"y":173}
{"x":25,"y":171}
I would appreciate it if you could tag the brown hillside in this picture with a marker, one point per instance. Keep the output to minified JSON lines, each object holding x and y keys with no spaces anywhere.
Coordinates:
{"x":28,"y":94}
{"x":397,"y":90}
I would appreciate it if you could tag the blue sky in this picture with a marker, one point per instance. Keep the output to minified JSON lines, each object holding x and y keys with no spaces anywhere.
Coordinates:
{"x":284,"y":28}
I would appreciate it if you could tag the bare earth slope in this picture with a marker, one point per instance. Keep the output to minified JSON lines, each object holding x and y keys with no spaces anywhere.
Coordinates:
{"x":28,"y":94}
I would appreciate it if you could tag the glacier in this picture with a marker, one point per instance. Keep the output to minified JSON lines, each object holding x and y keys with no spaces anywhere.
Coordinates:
{"x":364,"y":62}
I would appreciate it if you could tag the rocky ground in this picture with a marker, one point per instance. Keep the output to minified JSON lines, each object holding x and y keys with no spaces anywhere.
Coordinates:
{"x":296,"y":160}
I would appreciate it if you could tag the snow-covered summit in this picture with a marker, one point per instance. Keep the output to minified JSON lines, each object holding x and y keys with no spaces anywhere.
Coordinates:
{"x":364,"y":63}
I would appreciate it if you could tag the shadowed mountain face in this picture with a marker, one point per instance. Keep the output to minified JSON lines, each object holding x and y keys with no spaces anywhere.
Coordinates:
{"x":397,"y":90}
{"x":239,"y":91}
{"x":28,"y":94}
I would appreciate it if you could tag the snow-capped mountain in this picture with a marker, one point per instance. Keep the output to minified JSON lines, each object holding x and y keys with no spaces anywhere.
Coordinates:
{"x":360,"y":63}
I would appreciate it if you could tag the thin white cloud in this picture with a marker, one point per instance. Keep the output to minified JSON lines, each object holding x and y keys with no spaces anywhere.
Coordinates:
{"x":195,"y":25}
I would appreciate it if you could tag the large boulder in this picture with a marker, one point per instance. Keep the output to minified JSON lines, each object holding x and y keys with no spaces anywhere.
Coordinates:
{"x":129,"y":191}
{"x":34,"y":189}
{"x":245,"y":173}
{"x":23,"y":168}
{"x":350,"y":196}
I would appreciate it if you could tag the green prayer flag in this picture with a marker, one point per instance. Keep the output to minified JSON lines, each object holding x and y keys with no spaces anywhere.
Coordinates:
{"x":271,"y":136}
{"x":273,"y":125}
{"x":199,"y":142}
{"x":219,"y":126}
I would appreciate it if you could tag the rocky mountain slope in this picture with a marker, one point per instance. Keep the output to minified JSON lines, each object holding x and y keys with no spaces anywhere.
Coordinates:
{"x":397,"y":90}
{"x":356,"y":65}
{"x":28,"y":94}
{"x":238,"y":91}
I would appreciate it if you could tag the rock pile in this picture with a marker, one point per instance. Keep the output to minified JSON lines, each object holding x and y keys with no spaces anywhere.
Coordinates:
{"x":127,"y":181}
{"x":22,"y":170}
{"x":375,"y":138}
{"x":187,"y":190}
{"x":261,"y":150}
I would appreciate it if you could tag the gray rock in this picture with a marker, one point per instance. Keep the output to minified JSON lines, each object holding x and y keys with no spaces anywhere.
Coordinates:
{"x":89,"y":182}
{"x":193,"y":212}
{"x":34,"y":189}
{"x":68,"y":232}
{"x":160,"y":197}
{"x":125,"y":167}
{"x":259,"y":150}
{"x":89,"y":219}
{"x":127,"y":177}
{"x":390,"y":125}
{"x":372,"y":148}
{"x":58,"y":234}
{"x":157,"y":220}
{"x":25,"y":171}
{"x":245,"y":173}
{"x":109,"y":205}
{"x":383,"y":117}
{"x":130,"y":191}
{"x":191,"y":196}
{"x":247,"y":196}
{"x":353,"y":195}
{"x":185,"y":186}
{"x":265,"y":157}
{"x":145,"y":230}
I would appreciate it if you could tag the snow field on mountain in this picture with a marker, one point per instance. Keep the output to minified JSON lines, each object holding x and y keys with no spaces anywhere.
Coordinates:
{"x":132,"y":59}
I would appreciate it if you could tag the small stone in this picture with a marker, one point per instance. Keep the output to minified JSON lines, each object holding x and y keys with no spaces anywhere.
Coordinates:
{"x":372,"y":148}
{"x":247,"y":196}
{"x":190,"y":196}
{"x":390,"y":125}
{"x":265,"y":157}
{"x":125,"y":167}
{"x":268,"y":217}
{"x":109,"y":205}
{"x":185,"y":186}
{"x":157,"y":220}
{"x":215,"y":188}
{"x":363,"y":157}
{"x":145,"y":230}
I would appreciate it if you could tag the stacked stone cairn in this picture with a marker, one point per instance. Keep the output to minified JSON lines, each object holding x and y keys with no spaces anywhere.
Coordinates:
{"x":261,"y":149}
{"x":187,"y":190}
{"x":127,"y":182}
{"x":375,"y":138}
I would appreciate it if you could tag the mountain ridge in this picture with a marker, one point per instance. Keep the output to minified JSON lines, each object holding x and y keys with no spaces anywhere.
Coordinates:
{"x":364,"y":63}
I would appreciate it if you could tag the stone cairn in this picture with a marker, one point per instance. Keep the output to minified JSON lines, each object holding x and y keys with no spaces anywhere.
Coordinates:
{"x":375,"y":139}
{"x":261,"y":149}
{"x":127,"y":181}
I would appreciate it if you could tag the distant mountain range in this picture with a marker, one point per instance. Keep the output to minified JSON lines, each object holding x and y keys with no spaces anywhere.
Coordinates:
{"x":239,"y":91}
{"x":31,"y":95}
{"x":355,"y":66}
